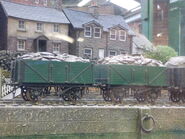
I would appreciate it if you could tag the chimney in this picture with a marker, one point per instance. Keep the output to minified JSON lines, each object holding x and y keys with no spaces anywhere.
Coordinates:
{"x":93,"y":9}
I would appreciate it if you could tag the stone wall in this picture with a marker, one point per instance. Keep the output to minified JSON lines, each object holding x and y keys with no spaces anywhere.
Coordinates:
{"x":64,"y":120}
{"x":45,"y":120}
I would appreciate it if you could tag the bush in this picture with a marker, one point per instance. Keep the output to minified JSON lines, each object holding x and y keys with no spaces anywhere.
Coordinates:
{"x":161,"y":53}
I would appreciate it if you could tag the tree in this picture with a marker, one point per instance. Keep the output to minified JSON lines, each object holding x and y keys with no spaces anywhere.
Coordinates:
{"x":161,"y":53}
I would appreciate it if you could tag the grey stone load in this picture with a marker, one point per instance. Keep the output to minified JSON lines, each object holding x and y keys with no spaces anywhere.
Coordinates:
{"x":178,"y":62}
{"x":46,"y":56}
{"x":130,"y":60}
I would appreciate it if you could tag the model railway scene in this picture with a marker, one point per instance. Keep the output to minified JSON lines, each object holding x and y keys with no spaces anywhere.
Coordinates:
{"x":92,"y":69}
{"x":68,"y":77}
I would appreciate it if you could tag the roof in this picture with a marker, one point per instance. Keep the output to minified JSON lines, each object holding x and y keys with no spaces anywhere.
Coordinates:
{"x":79,"y":18}
{"x":34,"y":13}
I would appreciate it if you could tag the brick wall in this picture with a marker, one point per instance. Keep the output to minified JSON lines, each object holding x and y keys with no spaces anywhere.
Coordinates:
{"x":160,"y":23}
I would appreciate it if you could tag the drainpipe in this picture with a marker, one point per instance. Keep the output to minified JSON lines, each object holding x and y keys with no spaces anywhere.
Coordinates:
{"x":106,"y":45}
{"x":180,"y":31}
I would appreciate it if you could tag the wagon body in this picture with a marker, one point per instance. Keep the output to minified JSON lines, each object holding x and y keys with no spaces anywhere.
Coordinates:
{"x":130,"y":75}
{"x":51,"y":72}
{"x":176,"y":77}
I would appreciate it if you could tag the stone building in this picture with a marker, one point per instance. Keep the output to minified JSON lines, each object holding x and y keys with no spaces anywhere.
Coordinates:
{"x":97,"y":36}
{"x":32,"y":28}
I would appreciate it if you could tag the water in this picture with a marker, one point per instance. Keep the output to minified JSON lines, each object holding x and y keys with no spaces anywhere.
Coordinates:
{"x":156,"y":135}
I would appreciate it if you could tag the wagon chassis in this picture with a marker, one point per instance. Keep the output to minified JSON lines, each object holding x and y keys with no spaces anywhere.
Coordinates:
{"x":33,"y":92}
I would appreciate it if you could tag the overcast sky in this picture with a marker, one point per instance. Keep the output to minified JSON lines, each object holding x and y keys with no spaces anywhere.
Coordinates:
{"x":127,"y":4}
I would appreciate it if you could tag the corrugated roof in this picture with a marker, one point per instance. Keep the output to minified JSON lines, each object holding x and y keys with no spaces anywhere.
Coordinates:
{"x":79,"y":18}
{"x":34,"y":13}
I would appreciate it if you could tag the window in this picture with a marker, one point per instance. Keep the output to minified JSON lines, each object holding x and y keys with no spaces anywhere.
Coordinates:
{"x":112,"y":53}
{"x":122,"y":35}
{"x":21,"y":25}
{"x":56,"y":28}
{"x":45,"y":2}
{"x":87,"y":32}
{"x":39,"y":27}
{"x":101,"y":53}
{"x":21,"y":45}
{"x":97,"y":32}
{"x":56,"y":47}
{"x":37,"y":1}
{"x":113,"y":33}
{"x":88,"y":53}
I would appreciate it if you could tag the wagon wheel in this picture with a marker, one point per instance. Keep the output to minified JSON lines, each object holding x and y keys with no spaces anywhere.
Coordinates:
{"x":152,"y":96}
{"x":45,"y":92}
{"x":76,"y":94}
{"x":140,"y":97}
{"x":183,"y":96}
{"x":23,"y":93}
{"x":65,"y":96}
{"x":33,"y":94}
{"x":106,"y":95}
{"x":118,"y":96}
{"x":175,"y":96}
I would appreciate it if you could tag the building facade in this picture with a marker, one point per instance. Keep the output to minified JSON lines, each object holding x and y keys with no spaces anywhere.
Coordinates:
{"x":97,"y":36}
{"x":32,"y":29}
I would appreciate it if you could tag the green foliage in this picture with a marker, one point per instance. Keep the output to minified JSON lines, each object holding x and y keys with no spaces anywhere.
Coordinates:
{"x":161,"y":53}
{"x":5,"y":74}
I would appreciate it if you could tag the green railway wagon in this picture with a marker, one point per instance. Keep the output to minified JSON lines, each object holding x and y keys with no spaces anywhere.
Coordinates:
{"x":52,"y":72}
{"x":130,"y":75}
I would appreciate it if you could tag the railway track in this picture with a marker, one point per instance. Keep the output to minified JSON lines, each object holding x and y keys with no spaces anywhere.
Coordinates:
{"x":86,"y":102}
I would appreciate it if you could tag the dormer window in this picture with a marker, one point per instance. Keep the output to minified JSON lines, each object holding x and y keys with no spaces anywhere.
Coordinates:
{"x":122,"y":35}
{"x":88,"y":32}
{"x":97,"y":32}
{"x":113,"y":33}
{"x":21,"y":25}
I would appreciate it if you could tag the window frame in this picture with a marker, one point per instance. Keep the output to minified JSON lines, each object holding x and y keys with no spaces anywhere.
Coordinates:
{"x":59,"y":47}
{"x":88,"y":49}
{"x":116,"y":53}
{"x":21,"y":26}
{"x":56,"y":28}
{"x":90,"y":31}
{"x":113,"y":34}
{"x":23,"y":46}
{"x":41,"y":27}
{"x":125,"y":35}
{"x":97,"y":32}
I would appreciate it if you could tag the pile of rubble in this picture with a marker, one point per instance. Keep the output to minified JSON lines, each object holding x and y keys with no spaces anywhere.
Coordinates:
{"x":176,"y":62}
{"x":46,"y":56}
{"x":130,"y":60}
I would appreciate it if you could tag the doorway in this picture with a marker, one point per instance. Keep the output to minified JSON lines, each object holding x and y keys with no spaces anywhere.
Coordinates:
{"x":42,"y":46}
